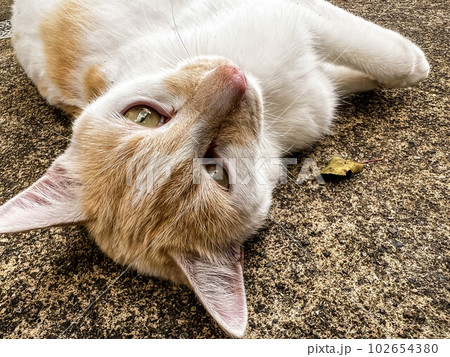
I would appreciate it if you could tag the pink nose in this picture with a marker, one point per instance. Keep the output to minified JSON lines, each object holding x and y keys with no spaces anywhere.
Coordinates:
{"x":234,"y":76}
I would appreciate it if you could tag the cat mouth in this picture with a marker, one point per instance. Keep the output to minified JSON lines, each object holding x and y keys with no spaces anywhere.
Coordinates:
{"x":216,"y":167}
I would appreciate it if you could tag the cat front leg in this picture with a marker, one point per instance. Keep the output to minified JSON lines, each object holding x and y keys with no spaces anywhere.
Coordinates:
{"x":345,"y":39}
{"x":348,"y":81}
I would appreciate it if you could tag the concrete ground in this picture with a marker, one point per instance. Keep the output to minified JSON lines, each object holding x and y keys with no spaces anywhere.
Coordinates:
{"x":363,"y":258}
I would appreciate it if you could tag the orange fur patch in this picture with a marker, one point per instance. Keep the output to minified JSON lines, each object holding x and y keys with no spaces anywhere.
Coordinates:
{"x":62,"y":33}
{"x":187,"y":78}
{"x":70,"y":109}
{"x":94,"y":83}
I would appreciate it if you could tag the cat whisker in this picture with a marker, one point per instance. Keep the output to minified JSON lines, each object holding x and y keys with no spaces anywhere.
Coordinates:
{"x":177,"y":31}
{"x":174,"y":45}
{"x":272,"y":116}
{"x":145,"y":14}
{"x":168,"y":61}
{"x":196,"y":42}
{"x":59,"y":134}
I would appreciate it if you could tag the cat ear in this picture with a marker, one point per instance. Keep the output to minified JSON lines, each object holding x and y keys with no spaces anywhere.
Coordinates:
{"x":53,"y":200}
{"x":219,"y":285}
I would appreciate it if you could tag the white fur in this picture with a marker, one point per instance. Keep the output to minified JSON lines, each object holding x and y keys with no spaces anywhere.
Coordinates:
{"x":283,"y":44}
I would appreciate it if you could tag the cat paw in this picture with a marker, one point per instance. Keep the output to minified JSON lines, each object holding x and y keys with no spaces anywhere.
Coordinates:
{"x":420,"y":69}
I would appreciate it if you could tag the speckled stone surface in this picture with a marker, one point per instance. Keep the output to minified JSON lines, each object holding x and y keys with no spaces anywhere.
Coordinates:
{"x":363,"y":258}
{"x":5,"y":9}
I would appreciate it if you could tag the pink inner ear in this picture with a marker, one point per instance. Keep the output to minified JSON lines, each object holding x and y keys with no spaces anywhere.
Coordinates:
{"x":52,"y":200}
{"x":219,"y":285}
{"x":49,"y":188}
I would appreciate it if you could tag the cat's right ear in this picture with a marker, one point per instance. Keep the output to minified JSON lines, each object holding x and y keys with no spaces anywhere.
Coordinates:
{"x":52,"y":201}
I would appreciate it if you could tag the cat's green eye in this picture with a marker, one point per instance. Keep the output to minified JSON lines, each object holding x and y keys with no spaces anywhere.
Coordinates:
{"x":218,"y":174}
{"x":145,"y":116}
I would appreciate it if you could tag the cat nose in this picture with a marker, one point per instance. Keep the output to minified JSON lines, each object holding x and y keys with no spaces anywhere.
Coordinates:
{"x":235,"y":78}
{"x":219,"y":92}
{"x":226,"y":85}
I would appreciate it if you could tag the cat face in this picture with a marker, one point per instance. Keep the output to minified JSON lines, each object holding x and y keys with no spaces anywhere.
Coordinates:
{"x":170,"y":173}
{"x":146,"y":191}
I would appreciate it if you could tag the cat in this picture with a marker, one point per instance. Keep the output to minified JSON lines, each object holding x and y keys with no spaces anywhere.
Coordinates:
{"x":182,"y":110}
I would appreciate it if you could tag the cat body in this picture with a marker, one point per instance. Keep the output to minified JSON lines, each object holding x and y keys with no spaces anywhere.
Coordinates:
{"x":98,"y":54}
{"x":236,"y":82}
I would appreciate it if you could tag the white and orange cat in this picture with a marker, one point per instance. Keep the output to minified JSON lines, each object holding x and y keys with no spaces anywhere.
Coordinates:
{"x":182,"y":109}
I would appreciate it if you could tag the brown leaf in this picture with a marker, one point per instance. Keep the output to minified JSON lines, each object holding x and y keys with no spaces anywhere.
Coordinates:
{"x":339,"y":168}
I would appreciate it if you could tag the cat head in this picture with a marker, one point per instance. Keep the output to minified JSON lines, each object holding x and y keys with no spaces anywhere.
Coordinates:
{"x":170,"y":173}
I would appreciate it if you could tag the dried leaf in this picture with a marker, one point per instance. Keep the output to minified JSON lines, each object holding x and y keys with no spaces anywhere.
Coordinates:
{"x":339,"y":168}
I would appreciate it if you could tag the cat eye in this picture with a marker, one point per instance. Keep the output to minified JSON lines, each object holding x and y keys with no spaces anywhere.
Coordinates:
{"x":145,"y":116}
{"x":218,"y":174}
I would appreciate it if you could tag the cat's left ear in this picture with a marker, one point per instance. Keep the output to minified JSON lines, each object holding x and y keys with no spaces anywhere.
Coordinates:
{"x":52,"y":201}
{"x":219,"y":284}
